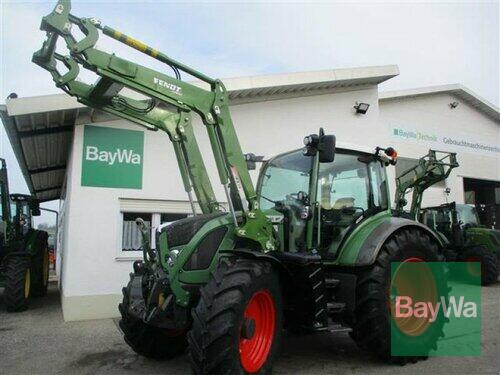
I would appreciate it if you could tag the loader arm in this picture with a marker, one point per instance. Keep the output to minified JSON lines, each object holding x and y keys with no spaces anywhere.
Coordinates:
{"x":432,"y":168}
{"x":168,"y":106}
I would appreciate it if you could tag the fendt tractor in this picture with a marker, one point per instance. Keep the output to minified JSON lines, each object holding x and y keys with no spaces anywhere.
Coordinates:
{"x":24,"y":252}
{"x":308,"y":249}
{"x":464,"y":239}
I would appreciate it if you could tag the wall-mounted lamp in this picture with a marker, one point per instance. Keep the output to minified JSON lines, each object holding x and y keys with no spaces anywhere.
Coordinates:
{"x":454,"y":105}
{"x":361,"y":108}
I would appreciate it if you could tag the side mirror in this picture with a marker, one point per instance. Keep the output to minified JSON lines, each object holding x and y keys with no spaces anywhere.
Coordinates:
{"x":327,"y":149}
{"x":35,"y":208}
{"x":324,"y":144}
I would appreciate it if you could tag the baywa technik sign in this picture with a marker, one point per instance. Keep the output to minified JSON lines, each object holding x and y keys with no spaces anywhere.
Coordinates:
{"x":446,"y":142}
{"x":112,"y":157}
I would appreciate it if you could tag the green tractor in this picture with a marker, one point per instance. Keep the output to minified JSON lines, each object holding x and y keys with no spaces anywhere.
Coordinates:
{"x":464,"y":239}
{"x":467,"y":240}
{"x":24,"y":255}
{"x":308,"y":249}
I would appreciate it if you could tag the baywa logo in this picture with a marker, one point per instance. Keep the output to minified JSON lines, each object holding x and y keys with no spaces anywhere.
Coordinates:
{"x":112,"y":157}
{"x":406,"y":308}
{"x":93,"y":153}
{"x":416,"y":135}
{"x":435,"y":308}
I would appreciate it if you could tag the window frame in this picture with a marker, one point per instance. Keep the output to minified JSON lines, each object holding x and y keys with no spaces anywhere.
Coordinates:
{"x":149,"y":206}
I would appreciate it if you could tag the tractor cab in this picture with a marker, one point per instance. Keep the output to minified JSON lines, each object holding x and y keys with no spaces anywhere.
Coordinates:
{"x":23,"y":208}
{"x":340,"y":195}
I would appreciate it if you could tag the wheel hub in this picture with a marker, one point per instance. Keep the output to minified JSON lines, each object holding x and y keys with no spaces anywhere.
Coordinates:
{"x":248,"y":328}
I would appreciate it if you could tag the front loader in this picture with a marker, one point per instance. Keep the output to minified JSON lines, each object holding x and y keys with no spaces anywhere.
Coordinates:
{"x":308,"y":249}
{"x":464,"y":239}
{"x":24,"y":253}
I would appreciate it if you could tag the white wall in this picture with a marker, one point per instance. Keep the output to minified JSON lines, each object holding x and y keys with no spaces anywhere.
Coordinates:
{"x":432,"y":115}
{"x":94,"y":270}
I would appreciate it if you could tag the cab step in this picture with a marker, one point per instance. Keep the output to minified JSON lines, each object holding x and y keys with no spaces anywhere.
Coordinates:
{"x":339,"y":328}
{"x":335,"y":307}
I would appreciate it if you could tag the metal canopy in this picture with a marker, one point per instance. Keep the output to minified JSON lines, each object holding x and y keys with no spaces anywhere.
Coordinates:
{"x":41,"y":143}
{"x":40,"y":128}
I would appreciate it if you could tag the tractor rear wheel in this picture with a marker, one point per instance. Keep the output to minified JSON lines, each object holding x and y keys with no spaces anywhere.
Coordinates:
{"x":238,"y":321}
{"x":146,"y":340}
{"x":488,"y":260}
{"x":40,"y":270}
{"x":374,"y":310}
{"x":17,"y":283}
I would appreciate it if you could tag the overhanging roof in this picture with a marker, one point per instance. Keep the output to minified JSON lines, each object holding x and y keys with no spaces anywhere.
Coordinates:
{"x":40,"y":128}
{"x":457,"y":90}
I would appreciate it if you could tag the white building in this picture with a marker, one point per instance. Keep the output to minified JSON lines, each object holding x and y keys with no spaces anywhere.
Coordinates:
{"x":271,"y":115}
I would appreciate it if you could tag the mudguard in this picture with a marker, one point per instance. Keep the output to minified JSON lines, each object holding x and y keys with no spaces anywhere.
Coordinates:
{"x":368,"y":248}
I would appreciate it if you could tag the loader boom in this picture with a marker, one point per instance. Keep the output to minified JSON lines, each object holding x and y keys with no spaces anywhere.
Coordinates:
{"x":432,"y":168}
{"x":168,"y":106}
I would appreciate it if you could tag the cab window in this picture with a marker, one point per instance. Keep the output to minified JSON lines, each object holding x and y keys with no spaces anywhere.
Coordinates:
{"x":348,"y":188}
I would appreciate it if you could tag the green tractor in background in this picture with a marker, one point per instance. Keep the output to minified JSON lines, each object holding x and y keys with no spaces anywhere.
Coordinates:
{"x":24,"y":255}
{"x":308,"y":249}
{"x":464,"y":239}
{"x":467,"y":240}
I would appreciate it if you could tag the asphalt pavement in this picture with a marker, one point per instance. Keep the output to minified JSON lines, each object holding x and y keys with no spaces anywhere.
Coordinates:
{"x":38,"y":341}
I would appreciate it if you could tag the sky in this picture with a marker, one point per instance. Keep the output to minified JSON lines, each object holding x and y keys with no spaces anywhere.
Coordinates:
{"x":432,"y":42}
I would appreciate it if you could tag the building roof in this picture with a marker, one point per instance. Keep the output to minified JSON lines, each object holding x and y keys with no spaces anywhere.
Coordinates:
{"x":40,"y":128}
{"x":457,"y":90}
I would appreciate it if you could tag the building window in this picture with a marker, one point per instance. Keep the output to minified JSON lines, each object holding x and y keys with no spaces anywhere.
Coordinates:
{"x":131,"y":236}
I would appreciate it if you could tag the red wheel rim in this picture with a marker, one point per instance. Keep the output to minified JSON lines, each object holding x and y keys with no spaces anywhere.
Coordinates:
{"x":254,"y":350}
{"x":421,"y":291}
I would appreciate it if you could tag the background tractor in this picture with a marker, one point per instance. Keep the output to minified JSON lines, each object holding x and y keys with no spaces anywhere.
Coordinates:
{"x":24,"y":256}
{"x":309,"y":248}
{"x":464,"y":239}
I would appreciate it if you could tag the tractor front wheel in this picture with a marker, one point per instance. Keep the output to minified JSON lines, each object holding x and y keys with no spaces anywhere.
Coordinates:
{"x":17,"y":283}
{"x":238,"y":321}
{"x":146,"y":340}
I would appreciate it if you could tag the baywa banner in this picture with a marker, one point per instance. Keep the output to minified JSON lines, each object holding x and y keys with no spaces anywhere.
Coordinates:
{"x":435,"y":308}
{"x":112,"y":157}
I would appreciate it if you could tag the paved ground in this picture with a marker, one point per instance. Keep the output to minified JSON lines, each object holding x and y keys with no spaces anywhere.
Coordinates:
{"x":39,"y":342}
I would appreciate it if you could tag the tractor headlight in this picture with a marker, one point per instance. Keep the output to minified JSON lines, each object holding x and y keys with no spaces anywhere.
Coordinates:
{"x":306,"y":213}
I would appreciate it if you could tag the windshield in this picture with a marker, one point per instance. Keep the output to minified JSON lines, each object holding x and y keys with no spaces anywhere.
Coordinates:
{"x":284,"y":177}
{"x":467,"y":214}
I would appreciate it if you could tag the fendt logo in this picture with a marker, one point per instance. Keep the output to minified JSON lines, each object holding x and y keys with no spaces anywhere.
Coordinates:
{"x":174,"y":88}
{"x":93,"y":153}
{"x":112,"y":157}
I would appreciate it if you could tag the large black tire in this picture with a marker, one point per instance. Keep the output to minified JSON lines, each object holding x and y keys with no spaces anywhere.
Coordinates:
{"x":488,"y":260}
{"x":219,"y":323}
{"x":17,"y":283}
{"x":373,"y":321}
{"x":149,"y":341}
{"x":40,"y":269}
